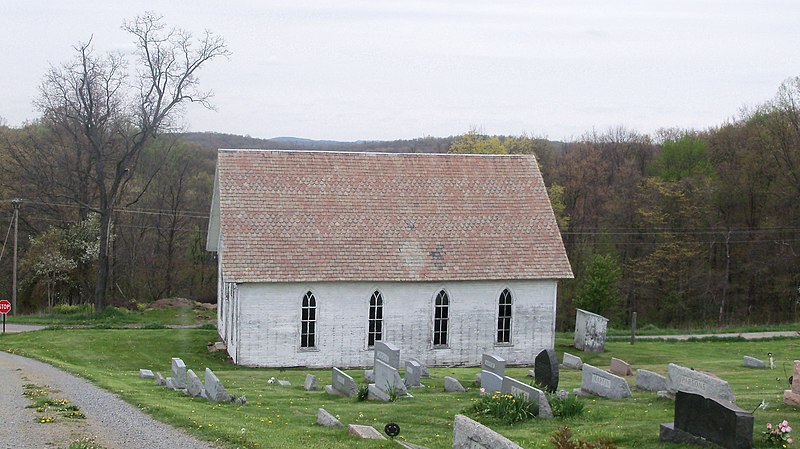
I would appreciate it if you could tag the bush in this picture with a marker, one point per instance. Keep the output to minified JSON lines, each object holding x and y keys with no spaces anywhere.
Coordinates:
{"x":363,"y":392}
{"x":562,"y":439}
{"x":504,"y":407}
{"x":565,"y":405}
{"x":67,"y":309}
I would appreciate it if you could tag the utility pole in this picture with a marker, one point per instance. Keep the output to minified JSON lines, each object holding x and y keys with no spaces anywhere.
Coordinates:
{"x":16,"y":203}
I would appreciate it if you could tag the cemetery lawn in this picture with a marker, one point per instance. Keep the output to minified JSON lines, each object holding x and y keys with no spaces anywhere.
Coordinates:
{"x":284,"y":417}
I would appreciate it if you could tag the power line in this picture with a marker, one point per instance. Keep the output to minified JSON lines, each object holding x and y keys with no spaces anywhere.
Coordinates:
{"x":141,"y":211}
{"x":10,"y":224}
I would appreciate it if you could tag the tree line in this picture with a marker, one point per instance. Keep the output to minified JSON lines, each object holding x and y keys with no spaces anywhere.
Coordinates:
{"x":684,"y":227}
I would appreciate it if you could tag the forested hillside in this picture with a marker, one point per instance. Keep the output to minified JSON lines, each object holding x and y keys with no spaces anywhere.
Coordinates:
{"x":683,"y":227}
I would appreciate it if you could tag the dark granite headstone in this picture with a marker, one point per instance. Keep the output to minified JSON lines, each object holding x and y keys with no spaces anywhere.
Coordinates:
{"x":718,"y":421}
{"x":545,"y":370}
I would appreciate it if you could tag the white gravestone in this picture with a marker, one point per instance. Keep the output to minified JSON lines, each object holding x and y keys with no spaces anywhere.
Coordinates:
{"x":590,"y":331}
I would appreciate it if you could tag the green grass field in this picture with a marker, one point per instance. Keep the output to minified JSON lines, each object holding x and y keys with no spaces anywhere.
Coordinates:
{"x":284,"y":417}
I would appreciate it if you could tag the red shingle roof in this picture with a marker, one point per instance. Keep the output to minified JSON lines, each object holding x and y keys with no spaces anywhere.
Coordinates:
{"x":289,"y":216}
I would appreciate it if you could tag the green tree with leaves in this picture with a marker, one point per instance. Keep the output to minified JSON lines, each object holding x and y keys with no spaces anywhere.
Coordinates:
{"x":686,"y":156}
{"x":598,"y":289}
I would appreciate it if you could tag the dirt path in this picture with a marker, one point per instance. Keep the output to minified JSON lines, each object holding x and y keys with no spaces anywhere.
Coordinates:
{"x":114,"y":423}
{"x":11,"y":328}
{"x":745,"y":335}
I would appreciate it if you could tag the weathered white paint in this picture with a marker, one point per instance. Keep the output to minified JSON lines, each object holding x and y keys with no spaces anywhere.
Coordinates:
{"x":261,"y":322}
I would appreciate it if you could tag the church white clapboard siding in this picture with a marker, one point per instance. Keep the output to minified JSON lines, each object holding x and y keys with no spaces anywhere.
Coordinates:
{"x":320,"y":254}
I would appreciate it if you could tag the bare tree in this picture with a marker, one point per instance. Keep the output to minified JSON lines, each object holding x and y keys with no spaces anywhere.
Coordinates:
{"x":110,"y":112}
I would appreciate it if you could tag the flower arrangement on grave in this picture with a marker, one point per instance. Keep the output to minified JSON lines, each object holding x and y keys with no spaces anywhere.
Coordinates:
{"x":778,"y":435}
{"x":505,"y":407}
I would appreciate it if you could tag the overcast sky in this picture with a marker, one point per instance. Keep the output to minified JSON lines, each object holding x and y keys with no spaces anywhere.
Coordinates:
{"x":349,"y":69}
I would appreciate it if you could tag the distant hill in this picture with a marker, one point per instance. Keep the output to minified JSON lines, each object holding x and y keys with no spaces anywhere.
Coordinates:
{"x":214,"y":141}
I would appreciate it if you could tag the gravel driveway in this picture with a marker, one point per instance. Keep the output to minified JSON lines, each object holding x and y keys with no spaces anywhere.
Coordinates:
{"x":113,"y":423}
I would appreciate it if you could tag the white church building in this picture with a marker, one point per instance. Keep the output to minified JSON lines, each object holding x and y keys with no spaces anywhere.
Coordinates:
{"x":321,"y":254}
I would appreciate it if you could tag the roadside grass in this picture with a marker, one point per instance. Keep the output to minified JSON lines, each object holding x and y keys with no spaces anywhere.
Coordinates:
{"x":284,"y":417}
{"x":120,"y":317}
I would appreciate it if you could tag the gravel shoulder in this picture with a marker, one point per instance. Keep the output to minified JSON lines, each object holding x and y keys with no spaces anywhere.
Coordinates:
{"x":113,"y":423}
{"x":10,"y":328}
{"x":745,"y":335}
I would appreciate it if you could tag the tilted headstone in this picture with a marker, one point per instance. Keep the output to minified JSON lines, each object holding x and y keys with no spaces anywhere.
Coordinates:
{"x":493,"y":368}
{"x":545,"y":370}
{"x":709,"y":420}
{"x":491,"y":382}
{"x":531,"y":394}
{"x":469,"y":434}
{"x":341,"y":384}
{"x":590,"y":331}
{"x":326,"y":419}
{"x":193,"y":385}
{"x":452,"y":385}
{"x":365,"y":432}
{"x":602,"y":383}
{"x":369,"y":376}
{"x":160,"y":379}
{"x":178,"y":373}
{"x":413,"y":374}
{"x":387,"y":379}
{"x":792,"y":397}
{"x":650,"y":381}
{"x":169,"y":383}
{"x":620,"y":367}
{"x":752,"y":362}
{"x":215,"y":391}
{"x":494,"y":364}
{"x":311,"y":383}
{"x":572,"y":361}
{"x":146,"y":374}
{"x":685,"y":379}
{"x":423,"y":368}
{"x":387,"y":353}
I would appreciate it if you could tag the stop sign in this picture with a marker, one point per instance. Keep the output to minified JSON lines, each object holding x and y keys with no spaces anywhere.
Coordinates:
{"x":5,"y":306}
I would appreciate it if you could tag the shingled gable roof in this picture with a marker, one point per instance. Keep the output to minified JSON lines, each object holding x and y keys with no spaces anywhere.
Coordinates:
{"x":289,"y":216}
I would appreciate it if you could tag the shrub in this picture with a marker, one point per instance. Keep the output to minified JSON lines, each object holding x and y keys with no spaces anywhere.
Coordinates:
{"x":363,"y":392}
{"x":67,"y":309}
{"x":565,"y":405}
{"x":504,"y":407}
{"x":562,"y":439}
{"x":391,"y":390}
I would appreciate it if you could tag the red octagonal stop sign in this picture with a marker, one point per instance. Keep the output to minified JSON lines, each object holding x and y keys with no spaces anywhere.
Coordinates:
{"x":5,"y":306}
